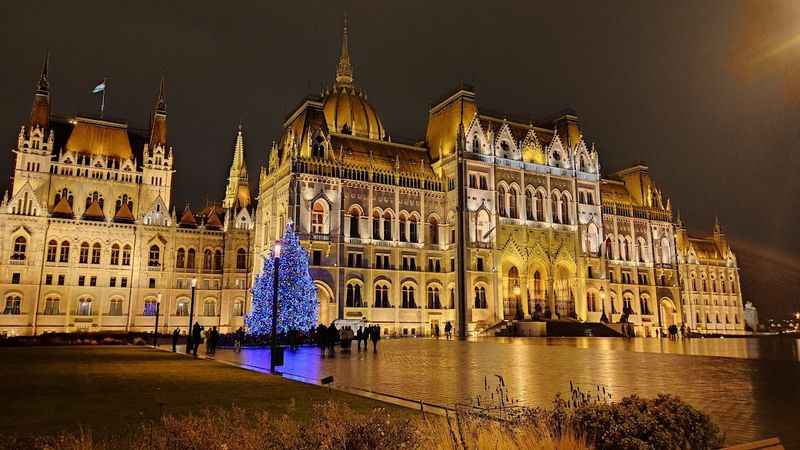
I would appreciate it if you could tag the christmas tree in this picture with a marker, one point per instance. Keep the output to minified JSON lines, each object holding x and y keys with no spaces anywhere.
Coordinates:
{"x":297,"y":295}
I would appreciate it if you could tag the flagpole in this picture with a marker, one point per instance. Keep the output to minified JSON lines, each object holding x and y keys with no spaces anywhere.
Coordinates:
{"x":103,"y":101}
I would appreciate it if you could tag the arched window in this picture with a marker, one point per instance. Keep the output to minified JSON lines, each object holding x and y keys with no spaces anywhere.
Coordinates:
{"x":238,"y":308}
{"x":408,"y":297}
{"x":482,"y":227}
{"x":554,"y":209}
{"x":191,"y":258}
{"x":210,"y":308}
{"x":52,"y":250}
{"x":433,"y":231}
{"x":207,"y":259}
{"x":623,"y":249}
{"x":52,"y":306}
{"x":565,"y":210}
{"x":353,"y":295}
{"x":593,"y":236}
{"x":115,"y":307}
{"x":154,"y":259}
{"x":318,"y":217}
{"x":318,"y":147}
{"x":376,"y":225}
{"x":591,"y":302}
{"x":609,"y":248}
{"x":402,"y":227}
{"x":434,"y":302}
{"x":126,"y":255}
{"x":123,"y":200}
{"x":64,"y":193}
{"x":502,"y":197}
{"x":626,"y":304}
{"x":96,"y":251}
{"x":512,"y":203}
{"x":13,"y":305}
{"x":540,"y":207}
{"x":180,"y":259}
{"x":218,"y":260}
{"x":480,"y":297}
{"x":63,"y":254}
{"x":644,"y":305}
{"x":182,"y":307}
{"x":538,"y":291}
{"x":412,"y":229}
{"x":114,"y":255}
{"x":355,"y":216}
{"x":382,"y":296}
{"x":476,"y":145}
{"x":530,"y":204}
{"x":20,"y":247}
{"x":642,"y":250}
{"x":387,"y":226}
{"x":83,"y":256}
{"x":241,"y":259}
{"x":84,"y":307}
{"x":150,"y":307}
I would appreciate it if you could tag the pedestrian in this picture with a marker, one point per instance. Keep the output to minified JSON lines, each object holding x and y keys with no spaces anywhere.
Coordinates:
{"x":448,"y":330}
{"x":333,"y":336}
{"x":359,"y":337}
{"x":175,"y":335}
{"x":207,"y":338}
{"x":322,"y":336}
{"x":683,"y":330}
{"x":196,"y":330}
{"x":375,"y":335}
{"x":213,"y":337}
{"x":437,"y":331}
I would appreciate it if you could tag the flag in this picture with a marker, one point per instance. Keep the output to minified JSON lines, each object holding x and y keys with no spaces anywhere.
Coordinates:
{"x":99,"y":88}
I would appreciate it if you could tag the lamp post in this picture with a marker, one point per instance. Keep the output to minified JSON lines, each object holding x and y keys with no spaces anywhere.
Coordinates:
{"x":189,"y":342}
{"x":155,"y":330}
{"x":603,"y":317}
{"x":275,"y":358}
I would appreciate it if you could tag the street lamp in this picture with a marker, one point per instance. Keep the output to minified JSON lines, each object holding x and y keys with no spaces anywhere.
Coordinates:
{"x":189,"y":342}
{"x":155,"y":330}
{"x":276,"y":359}
{"x":603,"y":317}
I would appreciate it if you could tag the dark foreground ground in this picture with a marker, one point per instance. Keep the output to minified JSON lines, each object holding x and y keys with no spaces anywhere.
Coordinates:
{"x":112,"y":389}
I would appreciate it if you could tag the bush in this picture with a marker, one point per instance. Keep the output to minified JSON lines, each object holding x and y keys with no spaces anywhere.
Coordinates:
{"x":664,"y":422}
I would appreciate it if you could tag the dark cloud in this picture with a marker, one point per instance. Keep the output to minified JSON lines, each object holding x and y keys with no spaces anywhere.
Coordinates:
{"x":705,"y":92}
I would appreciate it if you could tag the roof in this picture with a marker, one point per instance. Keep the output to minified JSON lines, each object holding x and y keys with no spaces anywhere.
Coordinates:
{"x":94,"y":212}
{"x":187,"y":218}
{"x":383,"y":156}
{"x":706,"y":248}
{"x":98,"y":137}
{"x":124,"y":214}
{"x":63,"y":209}
{"x":615,"y":191}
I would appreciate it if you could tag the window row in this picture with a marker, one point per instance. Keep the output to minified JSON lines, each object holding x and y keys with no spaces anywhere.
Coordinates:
{"x":89,"y":254}
{"x":354,"y":297}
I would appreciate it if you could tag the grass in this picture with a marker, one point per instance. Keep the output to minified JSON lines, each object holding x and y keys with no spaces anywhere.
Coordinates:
{"x":112,"y":389}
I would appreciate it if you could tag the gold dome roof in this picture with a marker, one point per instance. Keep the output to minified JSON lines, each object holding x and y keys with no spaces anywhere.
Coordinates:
{"x":346,"y":107}
{"x":347,"y":111}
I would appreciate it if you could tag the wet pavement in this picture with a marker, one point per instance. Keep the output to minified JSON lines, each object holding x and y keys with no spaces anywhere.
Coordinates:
{"x":751,"y":387}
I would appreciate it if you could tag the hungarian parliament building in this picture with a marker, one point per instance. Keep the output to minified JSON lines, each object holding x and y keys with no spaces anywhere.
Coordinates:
{"x":485,"y":221}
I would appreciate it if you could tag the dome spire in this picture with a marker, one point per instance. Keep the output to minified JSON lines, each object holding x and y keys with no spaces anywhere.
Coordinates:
{"x":344,"y":70}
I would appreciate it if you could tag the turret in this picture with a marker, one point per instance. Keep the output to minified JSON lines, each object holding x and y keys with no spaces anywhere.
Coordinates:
{"x":158,"y":124}
{"x":237,"y":193}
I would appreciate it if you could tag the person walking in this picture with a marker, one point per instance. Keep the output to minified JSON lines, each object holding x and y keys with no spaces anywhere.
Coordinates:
{"x":375,"y":336}
{"x":213,"y":338}
{"x":239,"y":340}
{"x":436,"y":330}
{"x":448,"y":330}
{"x":333,"y":336}
{"x":175,"y":335}
{"x":359,"y":337}
{"x":197,"y":329}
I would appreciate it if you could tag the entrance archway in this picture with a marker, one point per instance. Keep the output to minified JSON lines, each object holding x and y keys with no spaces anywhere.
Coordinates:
{"x":511,"y":302}
{"x":565,"y":299}
{"x":327,"y":312}
{"x":669,"y":313}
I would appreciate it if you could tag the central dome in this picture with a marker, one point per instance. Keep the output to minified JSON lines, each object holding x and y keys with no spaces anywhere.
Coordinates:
{"x":347,"y":111}
{"x":346,"y":108}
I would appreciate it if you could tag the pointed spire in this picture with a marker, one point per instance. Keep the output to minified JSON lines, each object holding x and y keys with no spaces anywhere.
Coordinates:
{"x":40,"y":112}
{"x":161,"y":103}
{"x":43,"y":87}
{"x":238,"y":190}
{"x":158,"y":125}
{"x":344,"y":70}
{"x":717,"y":228}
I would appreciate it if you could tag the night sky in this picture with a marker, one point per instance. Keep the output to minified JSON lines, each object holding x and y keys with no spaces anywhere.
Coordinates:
{"x":705,"y":92}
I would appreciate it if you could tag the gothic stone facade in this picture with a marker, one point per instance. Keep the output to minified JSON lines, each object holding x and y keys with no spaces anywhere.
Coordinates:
{"x":93,"y":239}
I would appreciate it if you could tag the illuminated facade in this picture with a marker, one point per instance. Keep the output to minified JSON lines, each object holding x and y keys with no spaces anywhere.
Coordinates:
{"x":485,"y":221}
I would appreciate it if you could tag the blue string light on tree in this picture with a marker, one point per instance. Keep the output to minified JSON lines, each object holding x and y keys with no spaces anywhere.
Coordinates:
{"x":297,"y":301}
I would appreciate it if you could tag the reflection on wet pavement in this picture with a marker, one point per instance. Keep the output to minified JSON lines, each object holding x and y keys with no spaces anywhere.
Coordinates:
{"x":749,"y":386}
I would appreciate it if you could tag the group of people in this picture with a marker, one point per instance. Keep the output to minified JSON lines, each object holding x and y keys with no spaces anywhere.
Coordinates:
{"x":327,"y":337}
{"x":193,"y":341}
{"x":448,"y":330}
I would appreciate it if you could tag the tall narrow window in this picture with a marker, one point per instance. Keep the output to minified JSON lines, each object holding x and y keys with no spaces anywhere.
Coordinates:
{"x":376,"y":226}
{"x":20,"y":247}
{"x":318,"y":217}
{"x":83,"y":257}
{"x":180,"y":259}
{"x":480,"y":297}
{"x":241,"y":259}
{"x":355,"y":216}
{"x":565,"y":210}
{"x":402,"y":227}
{"x":539,"y":207}
{"x":218,"y":260}
{"x":512,"y":203}
{"x":502,"y":196}
{"x":52,"y":250}
{"x":554,"y":208}
{"x":63,"y":254}
{"x":115,"y":255}
{"x":433,"y":231}
{"x":412,"y":229}
{"x":387,"y":226}
{"x":154,"y":259}
{"x":191,"y":257}
{"x":96,"y":251}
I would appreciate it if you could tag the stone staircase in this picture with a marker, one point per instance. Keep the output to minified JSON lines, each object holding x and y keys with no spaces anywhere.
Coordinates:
{"x":572,"y":328}
{"x":502,"y":328}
